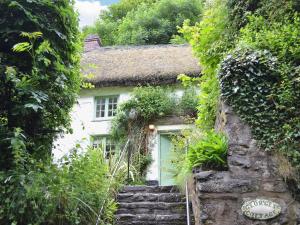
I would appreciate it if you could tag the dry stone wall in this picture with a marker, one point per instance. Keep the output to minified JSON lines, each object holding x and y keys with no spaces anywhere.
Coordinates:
{"x":252,"y":174}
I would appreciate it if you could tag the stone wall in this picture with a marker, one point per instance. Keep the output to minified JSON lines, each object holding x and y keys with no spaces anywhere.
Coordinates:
{"x":252,"y":173}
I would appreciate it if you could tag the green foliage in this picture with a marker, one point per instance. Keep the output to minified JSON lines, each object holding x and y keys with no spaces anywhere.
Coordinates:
{"x":146,"y":104}
{"x":275,"y":10}
{"x":265,"y":93}
{"x":248,"y":79}
{"x":37,"y":193}
{"x":280,"y":38}
{"x":145,"y":21}
{"x":209,"y":152}
{"x":181,"y":170}
{"x":259,"y":77}
{"x":209,"y":39}
{"x":152,"y":102}
{"x":266,"y":84}
{"x":189,"y":102}
{"x":264,"y":78}
{"x":238,"y":10}
{"x":194,"y":148}
{"x":39,"y":73}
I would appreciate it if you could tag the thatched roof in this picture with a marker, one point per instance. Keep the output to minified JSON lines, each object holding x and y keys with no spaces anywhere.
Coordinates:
{"x":139,"y":65}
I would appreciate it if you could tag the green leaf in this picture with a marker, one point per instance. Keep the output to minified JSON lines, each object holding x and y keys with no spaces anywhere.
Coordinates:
{"x":22,"y":47}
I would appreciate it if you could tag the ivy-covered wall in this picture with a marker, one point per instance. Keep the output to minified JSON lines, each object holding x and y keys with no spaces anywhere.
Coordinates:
{"x":250,"y":52}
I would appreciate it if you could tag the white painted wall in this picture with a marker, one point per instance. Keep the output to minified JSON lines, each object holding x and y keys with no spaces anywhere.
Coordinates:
{"x":85,"y":125}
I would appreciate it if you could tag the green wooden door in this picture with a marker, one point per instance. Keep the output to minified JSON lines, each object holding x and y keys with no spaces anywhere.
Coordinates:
{"x":165,"y":166}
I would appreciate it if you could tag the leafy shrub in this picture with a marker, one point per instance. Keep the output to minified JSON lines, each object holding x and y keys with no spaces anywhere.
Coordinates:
{"x":238,"y":10}
{"x":147,"y":103}
{"x":209,"y":152}
{"x":280,"y":38}
{"x":37,"y":193}
{"x":152,"y":102}
{"x":274,"y":10}
{"x":39,"y":80}
{"x":189,"y":102}
{"x":182,"y":172}
{"x":145,"y":21}
{"x":210,"y":39}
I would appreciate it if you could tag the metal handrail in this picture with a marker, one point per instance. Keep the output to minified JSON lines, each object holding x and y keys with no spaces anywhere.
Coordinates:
{"x":111,"y":179}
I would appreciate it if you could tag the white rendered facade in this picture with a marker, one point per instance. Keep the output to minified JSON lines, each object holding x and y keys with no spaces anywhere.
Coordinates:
{"x":85,"y":125}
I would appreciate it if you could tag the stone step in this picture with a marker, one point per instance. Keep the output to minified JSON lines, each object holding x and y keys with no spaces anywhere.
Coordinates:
{"x":150,"y":197}
{"x":140,"y":222}
{"x":152,"y":208}
{"x":151,"y":205}
{"x":149,"y":189}
{"x":149,"y":219}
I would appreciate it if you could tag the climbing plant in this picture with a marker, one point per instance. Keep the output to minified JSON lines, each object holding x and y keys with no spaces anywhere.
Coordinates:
{"x":146,"y":105}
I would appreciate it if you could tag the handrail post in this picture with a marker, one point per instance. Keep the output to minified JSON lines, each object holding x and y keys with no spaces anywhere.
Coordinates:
{"x":187,"y":191}
{"x":128,"y":162}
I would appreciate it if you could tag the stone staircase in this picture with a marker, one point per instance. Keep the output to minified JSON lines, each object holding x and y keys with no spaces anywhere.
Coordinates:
{"x":151,"y":205}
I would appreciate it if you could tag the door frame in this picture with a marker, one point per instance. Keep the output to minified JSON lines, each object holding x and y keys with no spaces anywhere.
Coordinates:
{"x":166,"y":132}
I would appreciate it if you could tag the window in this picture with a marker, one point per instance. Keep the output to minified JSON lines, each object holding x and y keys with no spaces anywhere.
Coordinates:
{"x":105,"y":143}
{"x":106,"y":106}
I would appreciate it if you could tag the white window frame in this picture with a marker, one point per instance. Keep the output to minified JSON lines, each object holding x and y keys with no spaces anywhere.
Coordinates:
{"x":100,"y":141}
{"x":106,"y":107}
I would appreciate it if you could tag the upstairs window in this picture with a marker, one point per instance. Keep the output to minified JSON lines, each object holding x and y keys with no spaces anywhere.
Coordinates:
{"x":106,"y":106}
{"x":106,"y":144}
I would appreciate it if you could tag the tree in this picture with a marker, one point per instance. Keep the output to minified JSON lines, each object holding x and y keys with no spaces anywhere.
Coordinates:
{"x":39,"y":74}
{"x":145,"y":21}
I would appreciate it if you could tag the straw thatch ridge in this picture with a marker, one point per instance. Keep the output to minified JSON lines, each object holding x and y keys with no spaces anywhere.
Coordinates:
{"x":139,"y":65}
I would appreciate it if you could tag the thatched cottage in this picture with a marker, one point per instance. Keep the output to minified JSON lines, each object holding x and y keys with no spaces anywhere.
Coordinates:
{"x":117,"y":70}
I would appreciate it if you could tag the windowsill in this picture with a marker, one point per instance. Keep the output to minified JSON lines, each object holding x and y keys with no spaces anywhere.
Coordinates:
{"x":102,"y":119}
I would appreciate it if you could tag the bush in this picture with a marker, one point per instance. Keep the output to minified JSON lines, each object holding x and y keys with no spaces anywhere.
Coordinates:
{"x":209,"y":38}
{"x":145,"y":22}
{"x":181,"y":170}
{"x":189,"y":102}
{"x":147,"y":103}
{"x":46,"y":194}
{"x":210,"y":152}
{"x":280,"y":38}
{"x":39,"y":73}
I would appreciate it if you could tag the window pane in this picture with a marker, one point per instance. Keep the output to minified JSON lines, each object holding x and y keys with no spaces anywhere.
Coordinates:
{"x":97,"y":142}
{"x":112,"y":106}
{"x":110,"y":148}
{"x":105,"y":144}
{"x":100,"y":107}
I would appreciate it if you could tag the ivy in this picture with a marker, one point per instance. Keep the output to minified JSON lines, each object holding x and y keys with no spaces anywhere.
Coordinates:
{"x":265,"y":93}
